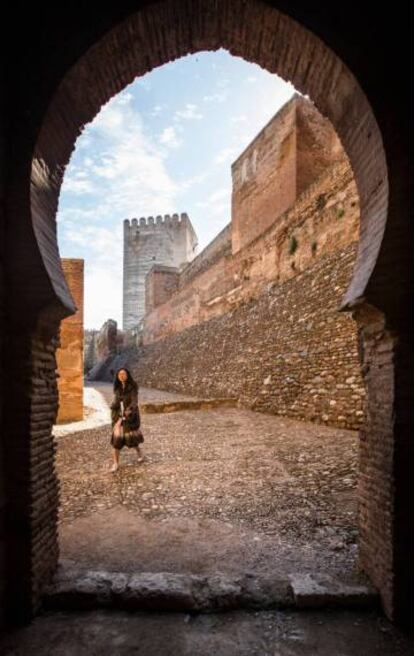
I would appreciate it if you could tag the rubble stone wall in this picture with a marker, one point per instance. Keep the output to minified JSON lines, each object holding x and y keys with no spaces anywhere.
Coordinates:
{"x":287,"y":352}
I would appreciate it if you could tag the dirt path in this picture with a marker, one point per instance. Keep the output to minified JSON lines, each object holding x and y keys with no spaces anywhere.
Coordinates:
{"x":225,"y":489}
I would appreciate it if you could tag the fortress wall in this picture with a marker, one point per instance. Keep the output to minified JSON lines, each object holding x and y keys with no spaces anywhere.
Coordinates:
{"x":256,"y":314}
{"x":287,"y":156}
{"x":215,"y":250}
{"x":263,"y":324}
{"x":324,"y":220}
{"x":160,"y":283}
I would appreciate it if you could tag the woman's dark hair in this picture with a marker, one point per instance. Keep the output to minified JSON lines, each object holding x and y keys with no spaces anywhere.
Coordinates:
{"x":129,"y":381}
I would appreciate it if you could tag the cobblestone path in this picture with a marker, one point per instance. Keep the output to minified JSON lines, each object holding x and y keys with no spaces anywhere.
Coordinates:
{"x":224,"y":489}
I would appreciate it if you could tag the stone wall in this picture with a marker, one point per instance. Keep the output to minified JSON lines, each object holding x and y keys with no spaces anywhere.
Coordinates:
{"x":89,"y":349}
{"x":101,"y":346}
{"x":70,"y":353}
{"x":107,"y":339}
{"x":287,"y":351}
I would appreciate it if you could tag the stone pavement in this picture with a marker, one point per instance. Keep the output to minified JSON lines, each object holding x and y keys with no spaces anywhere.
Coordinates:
{"x":224,"y":490}
{"x":225,"y":495}
{"x":269,"y":633}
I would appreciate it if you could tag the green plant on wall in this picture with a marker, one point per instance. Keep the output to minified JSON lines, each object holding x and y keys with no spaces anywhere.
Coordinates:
{"x":340,"y":212}
{"x":293,"y":244}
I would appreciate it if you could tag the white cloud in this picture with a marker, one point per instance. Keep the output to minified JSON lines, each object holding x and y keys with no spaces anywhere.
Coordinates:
{"x":157,"y":110}
{"x":168,"y":137}
{"x":126,"y":170}
{"x":102,"y":294}
{"x":186,"y":184}
{"x":120,"y":169}
{"x":216,"y":97}
{"x":216,"y":196}
{"x":222,"y":82}
{"x":240,"y":118}
{"x":225,"y":154}
{"x":188,"y":113}
{"x":77,"y":180}
{"x":129,"y":171}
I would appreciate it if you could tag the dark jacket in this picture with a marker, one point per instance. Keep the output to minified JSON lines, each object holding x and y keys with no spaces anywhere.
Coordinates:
{"x":129,"y":396}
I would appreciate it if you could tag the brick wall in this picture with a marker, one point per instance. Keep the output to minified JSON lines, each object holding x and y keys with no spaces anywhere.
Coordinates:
{"x":325,"y":218}
{"x":376,"y":476}
{"x":2,"y":330}
{"x":31,"y":482}
{"x":160,"y":283}
{"x":218,"y":248}
{"x":70,"y":352}
{"x":375,"y":134}
{"x":286,"y":157}
{"x":44,"y":487}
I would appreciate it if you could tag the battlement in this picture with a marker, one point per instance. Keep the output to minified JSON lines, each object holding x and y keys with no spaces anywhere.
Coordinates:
{"x":151,"y":222}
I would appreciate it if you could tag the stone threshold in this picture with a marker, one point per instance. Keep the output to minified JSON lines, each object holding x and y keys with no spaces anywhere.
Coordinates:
{"x":196,"y":404}
{"x":163,"y":591}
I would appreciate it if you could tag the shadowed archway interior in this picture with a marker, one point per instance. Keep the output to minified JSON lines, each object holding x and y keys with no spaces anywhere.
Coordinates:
{"x":154,"y":35}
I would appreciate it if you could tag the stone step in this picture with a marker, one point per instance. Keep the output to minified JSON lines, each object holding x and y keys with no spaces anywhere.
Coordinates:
{"x":163,"y":591}
{"x":152,"y":407}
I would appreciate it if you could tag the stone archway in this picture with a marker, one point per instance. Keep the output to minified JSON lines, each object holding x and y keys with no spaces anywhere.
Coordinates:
{"x":154,"y":35}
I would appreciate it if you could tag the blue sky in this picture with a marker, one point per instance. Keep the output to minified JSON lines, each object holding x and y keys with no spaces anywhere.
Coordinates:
{"x":165,"y":144}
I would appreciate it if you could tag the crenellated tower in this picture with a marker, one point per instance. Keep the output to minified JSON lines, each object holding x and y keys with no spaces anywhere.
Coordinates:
{"x":169,"y":240}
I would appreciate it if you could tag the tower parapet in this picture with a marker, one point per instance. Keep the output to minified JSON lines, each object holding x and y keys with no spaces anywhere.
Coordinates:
{"x":168,"y":240}
{"x":148,"y":222}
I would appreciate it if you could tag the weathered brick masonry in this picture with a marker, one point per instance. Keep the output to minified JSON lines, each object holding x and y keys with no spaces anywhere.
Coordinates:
{"x":2,"y":334}
{"x":70,"y":352}
{"x":97,"y":51}
{"x":32,"y":493}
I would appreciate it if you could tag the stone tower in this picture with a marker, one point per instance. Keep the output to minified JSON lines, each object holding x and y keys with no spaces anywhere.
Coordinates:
{"x":167,"y":240}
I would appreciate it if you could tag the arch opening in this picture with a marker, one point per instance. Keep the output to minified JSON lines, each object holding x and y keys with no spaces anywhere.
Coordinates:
{"x":142,"y":42}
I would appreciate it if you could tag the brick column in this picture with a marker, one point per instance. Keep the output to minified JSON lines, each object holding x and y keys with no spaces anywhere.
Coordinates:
{"x":31,"y":482}
{"x":70,"y":352}
{"x":386,"y":462}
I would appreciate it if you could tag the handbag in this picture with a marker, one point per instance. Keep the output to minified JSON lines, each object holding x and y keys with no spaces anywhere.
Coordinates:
{"x":135,"y":436}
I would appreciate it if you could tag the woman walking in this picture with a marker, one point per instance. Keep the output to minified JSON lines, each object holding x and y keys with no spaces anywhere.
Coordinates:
{"x":125,"y":417}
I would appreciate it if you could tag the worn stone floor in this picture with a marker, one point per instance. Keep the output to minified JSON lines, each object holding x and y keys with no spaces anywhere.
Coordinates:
{"x":221,"y":490}
{"x":271,"y":633}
